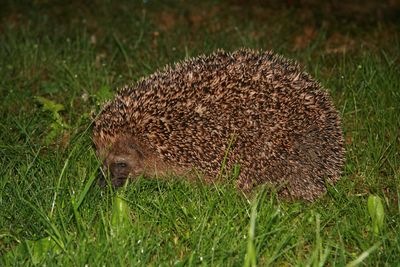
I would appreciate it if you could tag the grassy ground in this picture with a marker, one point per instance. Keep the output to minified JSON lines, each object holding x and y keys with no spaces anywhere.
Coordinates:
{"x":58,"y":62}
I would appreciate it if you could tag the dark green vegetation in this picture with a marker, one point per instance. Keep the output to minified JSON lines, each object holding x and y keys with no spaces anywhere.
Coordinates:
{"x":58,"y":62}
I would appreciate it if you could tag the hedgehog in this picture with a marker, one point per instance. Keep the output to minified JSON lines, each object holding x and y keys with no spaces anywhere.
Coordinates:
{"x":249,"y":109}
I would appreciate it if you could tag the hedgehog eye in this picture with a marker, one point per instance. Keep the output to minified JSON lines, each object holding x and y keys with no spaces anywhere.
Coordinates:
{"x":121,"y":164}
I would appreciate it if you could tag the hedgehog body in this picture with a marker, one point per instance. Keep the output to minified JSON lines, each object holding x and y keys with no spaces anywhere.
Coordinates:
{"x":254,"y":109}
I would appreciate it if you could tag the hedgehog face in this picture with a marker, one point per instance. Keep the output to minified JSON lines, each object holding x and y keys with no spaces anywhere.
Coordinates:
{"x":121,"y":161}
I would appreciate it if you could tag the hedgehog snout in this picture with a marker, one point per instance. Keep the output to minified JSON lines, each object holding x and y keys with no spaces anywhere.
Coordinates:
{"x":121,"y":165}
{"x":118,"y":172}
{"x":119,"y":169}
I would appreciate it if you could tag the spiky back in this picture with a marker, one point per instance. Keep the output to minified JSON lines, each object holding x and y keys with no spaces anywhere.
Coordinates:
{"x":281,"y":125}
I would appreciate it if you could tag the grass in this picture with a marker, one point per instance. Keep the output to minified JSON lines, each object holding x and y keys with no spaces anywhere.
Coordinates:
{"x":59,"y":62}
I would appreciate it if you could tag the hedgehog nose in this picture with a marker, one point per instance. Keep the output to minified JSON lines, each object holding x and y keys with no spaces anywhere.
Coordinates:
{"x":116,"y":175}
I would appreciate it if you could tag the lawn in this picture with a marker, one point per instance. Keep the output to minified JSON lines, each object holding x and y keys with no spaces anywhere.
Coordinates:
{"x":59,"y":62}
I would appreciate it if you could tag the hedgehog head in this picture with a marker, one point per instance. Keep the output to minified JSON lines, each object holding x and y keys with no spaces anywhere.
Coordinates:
{"x":121,"y":154}
{"x":121,"y":157}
